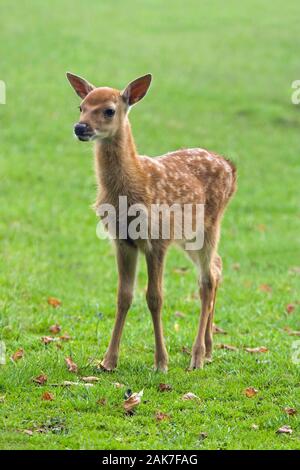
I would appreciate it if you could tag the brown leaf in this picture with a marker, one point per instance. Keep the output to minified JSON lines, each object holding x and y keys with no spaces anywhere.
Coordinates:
{"x":54,"y":302}
{"x":291,"y":332}
{"x":179,"y":314}
{"x":250,"y":392}
{"x":47,"y":339}
{"x":18,"y":354}
{"x":72,"y":367}
{"x":48,"y":396}
{"x":164,"y":387}
{"x":186,"y":350}
{"x":285,"y":429}
{"x":290,"y":411}
{"x":160,"y":416}
{"x":190,"y":396}
{"x":202,"y":436}
{"x":90,"y":379}
{"x":2,"y":398}
{"x":132,"y":401}
{"x":265,"y":288}
{"x":65,"y":337}
{"x":118,"y":385}
{"x":55,"y":329}
{"x":40,"y":379}
{"x":260,"y":349}
{"x":228,"y":347}
{"x":102,"y":401}
{"x":218,"y":330}
{"x":290,"y":308}
{"x":28,"y":432}
{"x":255,"y":427}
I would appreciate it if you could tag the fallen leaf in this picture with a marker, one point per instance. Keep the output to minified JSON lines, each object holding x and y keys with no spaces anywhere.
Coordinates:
{"x":2,"y":398}
{"x":228,"y":347}
{"x":48,"y":396}
{"x":54,"y":302}
{"x":55,"y":329}
{"x":255,"y":427}
{"x":250,"y":392}
{"x":186,"y":350}
{"x":218,"y":330}
{"x":190,"y":396}
{"x":285,"y":429}
{"x":160,"y":416}
{"x":90,"y":379}
{"x":40,"y":379}
{"x":28,"y":432}
{"x":179,"y":314}
{"x":291,"y":332}
{"x":265,"y":288}
{"x":133,"y":401}
{"x":102,"y":401}
{"x":72,"y":367}
{"x":202,"y":436}
{"x":18,"y":354}
{"x":260,"y":349}
{"x":118,"y":385}
{"x":164,"y":387}
{"x":294,"y":270}
{"x":290,"y":308}
{"x":65,"y":337}
{"x":176,"y":327}
{"x":47,"y":339}
{"x":290,"y":411}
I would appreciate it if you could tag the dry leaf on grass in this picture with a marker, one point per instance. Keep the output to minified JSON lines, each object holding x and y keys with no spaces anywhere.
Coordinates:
{"x":118,"y":385}
{"x":250,"y":392}
{"x":164,"y":387}
{"x":72,"y":367}
{"x":202,"y":436}
{"x":48,"y":396}
{"x":2,"y":398}
{"x":186,"y":350}
{"x":290,"y":308}
{"x":218,"y":331}
{"x":228,"y":347}
{"x":55,"y":329}
{"x":40,"y":379}
{"x":179,"y":314}
{"x":290,"y":411}
{"x":18,"y":354}
{"x":160,"y":416}
{"x":65,"y":337}
{"x":54,"y":302}
{"x":265,"y":288}
{"x":28,"y":432}
{"x":48,"y":339}
{"x":190,"y":396}
{"x":255,"y":427}
{"x":285,"y":429}
{"x":260,"y":349}
{"x":294,"y":270}
{"x":291,"y":332}
{"x":133,"y":401}
{"x":90,"y":379}
{"x":102,"y":401}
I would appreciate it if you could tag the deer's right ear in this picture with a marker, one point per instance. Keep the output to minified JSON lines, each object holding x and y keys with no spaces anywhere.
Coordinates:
{"x":80,"y":85}
{"x":137,"y":89}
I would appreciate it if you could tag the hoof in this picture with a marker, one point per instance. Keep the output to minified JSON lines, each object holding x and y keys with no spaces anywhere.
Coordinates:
{"x":161,"y":368}
{"x":107,"y":366}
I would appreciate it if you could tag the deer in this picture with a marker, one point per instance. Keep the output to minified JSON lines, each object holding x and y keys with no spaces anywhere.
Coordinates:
{"x":194,"y":176}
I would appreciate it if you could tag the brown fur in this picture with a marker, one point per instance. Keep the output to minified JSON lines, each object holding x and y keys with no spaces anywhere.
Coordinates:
{"x":194,"y":176}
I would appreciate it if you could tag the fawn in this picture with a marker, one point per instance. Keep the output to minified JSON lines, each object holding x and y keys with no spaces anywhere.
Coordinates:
{"x":194,"y":176}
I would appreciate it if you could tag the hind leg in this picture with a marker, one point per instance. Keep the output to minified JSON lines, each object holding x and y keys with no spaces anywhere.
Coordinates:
{"x":217,"y":269}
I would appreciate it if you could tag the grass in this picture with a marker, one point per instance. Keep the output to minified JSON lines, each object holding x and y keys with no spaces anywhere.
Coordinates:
{"x":222,"y":80}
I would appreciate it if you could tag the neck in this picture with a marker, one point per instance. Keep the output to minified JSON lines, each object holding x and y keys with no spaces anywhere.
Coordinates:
{"x":117,"y":163}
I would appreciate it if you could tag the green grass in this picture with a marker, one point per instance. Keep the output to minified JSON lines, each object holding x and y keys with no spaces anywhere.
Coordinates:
{"x":222,"y":80}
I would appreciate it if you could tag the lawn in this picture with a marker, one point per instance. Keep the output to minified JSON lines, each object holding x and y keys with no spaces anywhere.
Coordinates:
{"x":222,"y":80}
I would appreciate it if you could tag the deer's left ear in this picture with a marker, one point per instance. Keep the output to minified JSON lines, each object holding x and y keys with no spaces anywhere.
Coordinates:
{"x":137,"y":89}
{"x":80,"y":85}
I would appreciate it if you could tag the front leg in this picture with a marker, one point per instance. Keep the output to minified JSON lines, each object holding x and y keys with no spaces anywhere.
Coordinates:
{"x":127,"y":261}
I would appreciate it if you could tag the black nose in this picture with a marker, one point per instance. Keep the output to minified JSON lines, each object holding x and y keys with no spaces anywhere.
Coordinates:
{"x":80,"y":128}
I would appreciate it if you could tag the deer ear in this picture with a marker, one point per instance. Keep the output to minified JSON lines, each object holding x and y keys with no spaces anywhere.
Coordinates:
{"x":80,"y":85}
{"x":137,"y":89}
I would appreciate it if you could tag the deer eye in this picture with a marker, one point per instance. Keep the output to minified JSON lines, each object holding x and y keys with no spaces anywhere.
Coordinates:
{"x":109,"y":112}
